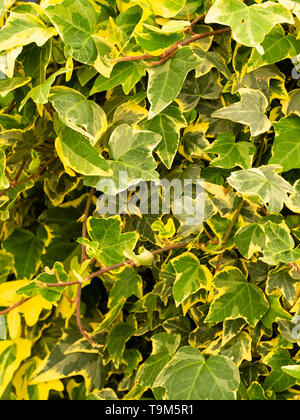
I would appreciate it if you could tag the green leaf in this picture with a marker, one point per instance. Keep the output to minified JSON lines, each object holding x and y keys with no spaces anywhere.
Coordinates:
{"x":79,"y":113}
{"x":190,"y":277}
{"x":237,"y":298}
{"x":279,"y":245}
{"x":7,"y":85}
{"x":164,"y":346}
{"x":278,"y":380}
{"x":22,"y":29}
{"x":116,"y":340}
{"x":76,"y":22}
{"x":126,"y":74}
{"x":166,"y":80}
{"x":275,"y":311}
{"x":264,"y":183}
{"x":277,"y":46}
{"x":249,"y":24}
{"x":111,"y":242}
{"x":26,"y":249}
{"x":292,"y":370}
{"x":76,"y":152}
{"x":167,"y":8}
{"x":281,"y":279}
{"x":250,"y":239}
{"x":127,"y":283}
{"x":286,"y":149}
{"x":4,"y":183}
{"x":167,"y":124}
{"x":131,"y":151}
{"x":250,"y":110}
{"x":230,"y":153}
{"x":188,"y":376}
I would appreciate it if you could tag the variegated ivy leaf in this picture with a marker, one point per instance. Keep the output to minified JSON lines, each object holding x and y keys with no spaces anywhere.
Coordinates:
{"x":77,"y":154}
{"x":167,"y":124}
{"x":230,"y":153}
{"x":249,"y":24}
{"x":26,"y":249}
{"x":116,"y":340}
{"x":164,"y":347}
{"x":7,"y":61}
{"x":188,"y":376}
{"x":24,"y":28}
{"x":279,"y":246}
{"x":126,"y":74}
{"x":4,"y":183}
{"x":111,"y":243}
{"x":281,"y":279}
{"x":77,"y":112}
{"x":286,"y":149}
{"x":250,"y":110}
{"x":237,"y":298}
{"x":132,"y":160}
{"x":166,"y":80}
{"x":166,"y":8}
{"x":293,"y":202}
{"x":294,"y":103}
{"x":7,"y":85}
{"x":250,"y":239}
{"x":127,"y":283}
{"x":263,"y":183}
{"x":190,"y":277}
{"x":277,"y":47}
{"x":80,"y":34}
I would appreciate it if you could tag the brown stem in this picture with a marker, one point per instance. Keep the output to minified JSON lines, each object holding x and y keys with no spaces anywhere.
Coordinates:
{"x":83,"y":259}
{"x":194,"y":22}
{"x":168,"y":53}
{"x":228,"y":233}
{"x":16,"y":305}
{"x":21,"y":181}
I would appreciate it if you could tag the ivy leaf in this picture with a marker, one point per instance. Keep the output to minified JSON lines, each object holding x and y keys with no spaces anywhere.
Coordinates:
{"x":250,"y":110}
{"x":277,"y":47}
{"x":275,"y":311}
{"x":166,"y":80}
{"x":190,"y":277}
{"x":22,"y":29}
{"x":76,"y":152}
{"x":116,"y":340}
{"x":167,"y":124}
{"x":79,"y":113}
{"x":127,"y":283}
{"x":278,"y":380}
{"x":230,"y":153}
{"x":281,"y":279}
{"x":292,"y":370}
{"x":279,"y":245}
{"x":7,"y":85}
{"x":26,"y":249}
{"x":4,"y":183}
{"x":286,"y":149}
{"x":188,"y":376}
{"x":76,"y":22}
{"x":294,"y":103}
{"x":237,"y":299}
{"x":127,"y":74}
{"x":131,"y":151}
{"x":164,"y":346}
{"x":249,"y":24}
{"x":264,"y":183}
{"x":111,"y":242}
{"x":250,"y":239}
{"x":167,"y":8}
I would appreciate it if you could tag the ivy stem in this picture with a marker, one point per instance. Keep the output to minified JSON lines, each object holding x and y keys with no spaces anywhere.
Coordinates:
{"x":16,"y":305}
{"x":77,"y":300}
{"x":228,"y":233}
{"x":168,"y":53}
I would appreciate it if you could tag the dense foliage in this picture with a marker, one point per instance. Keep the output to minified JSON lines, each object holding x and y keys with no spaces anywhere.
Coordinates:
{"x":141,"y":305}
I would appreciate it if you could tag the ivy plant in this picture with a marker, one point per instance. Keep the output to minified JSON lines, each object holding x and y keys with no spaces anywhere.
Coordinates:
{"x":107,"y":292}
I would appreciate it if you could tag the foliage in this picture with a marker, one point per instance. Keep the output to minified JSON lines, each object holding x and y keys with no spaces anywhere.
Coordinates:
{"x":139,"y":305}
